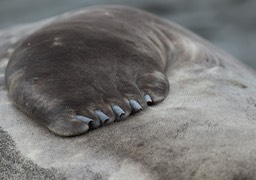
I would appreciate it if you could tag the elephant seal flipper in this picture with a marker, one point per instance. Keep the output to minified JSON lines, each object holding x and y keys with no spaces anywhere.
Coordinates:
{"x":89,"y":69}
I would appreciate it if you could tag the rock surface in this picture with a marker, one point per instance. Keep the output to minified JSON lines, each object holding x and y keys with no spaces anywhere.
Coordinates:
{"x":205,"y":129}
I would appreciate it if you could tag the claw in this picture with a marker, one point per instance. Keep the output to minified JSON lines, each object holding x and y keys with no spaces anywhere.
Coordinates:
{"x":135,"y":105}
{"x":84,"y":119}
{"x":119,"y":112}
{"x":95,"y":123}
{"x":103,"y":117}
{"x":148,"y":99}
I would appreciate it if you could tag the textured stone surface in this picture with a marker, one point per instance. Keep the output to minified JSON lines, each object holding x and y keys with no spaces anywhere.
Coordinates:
{"x":205,"y":129}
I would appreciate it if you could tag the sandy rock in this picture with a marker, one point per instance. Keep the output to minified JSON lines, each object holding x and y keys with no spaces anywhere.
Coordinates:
{"x":205,"y":129}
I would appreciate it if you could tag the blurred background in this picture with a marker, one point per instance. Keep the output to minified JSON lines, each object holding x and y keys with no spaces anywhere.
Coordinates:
{"x":229,"y":24}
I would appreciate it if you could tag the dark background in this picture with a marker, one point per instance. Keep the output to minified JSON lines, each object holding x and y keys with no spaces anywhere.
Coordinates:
{"x":229,"y":24}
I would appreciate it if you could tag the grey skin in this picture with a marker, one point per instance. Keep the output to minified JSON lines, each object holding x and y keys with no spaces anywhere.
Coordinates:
{"x":92,"y":68}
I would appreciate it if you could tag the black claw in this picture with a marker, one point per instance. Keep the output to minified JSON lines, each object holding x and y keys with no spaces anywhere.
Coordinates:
{"x":102,"y":117}
{"x":119,"y":112}
{"x":84,"y":119}
{"x":135,"y":105}
{"x":148,"y":100}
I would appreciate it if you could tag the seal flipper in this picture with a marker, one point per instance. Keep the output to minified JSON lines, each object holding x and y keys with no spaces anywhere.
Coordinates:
{"x":80,"y":73}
